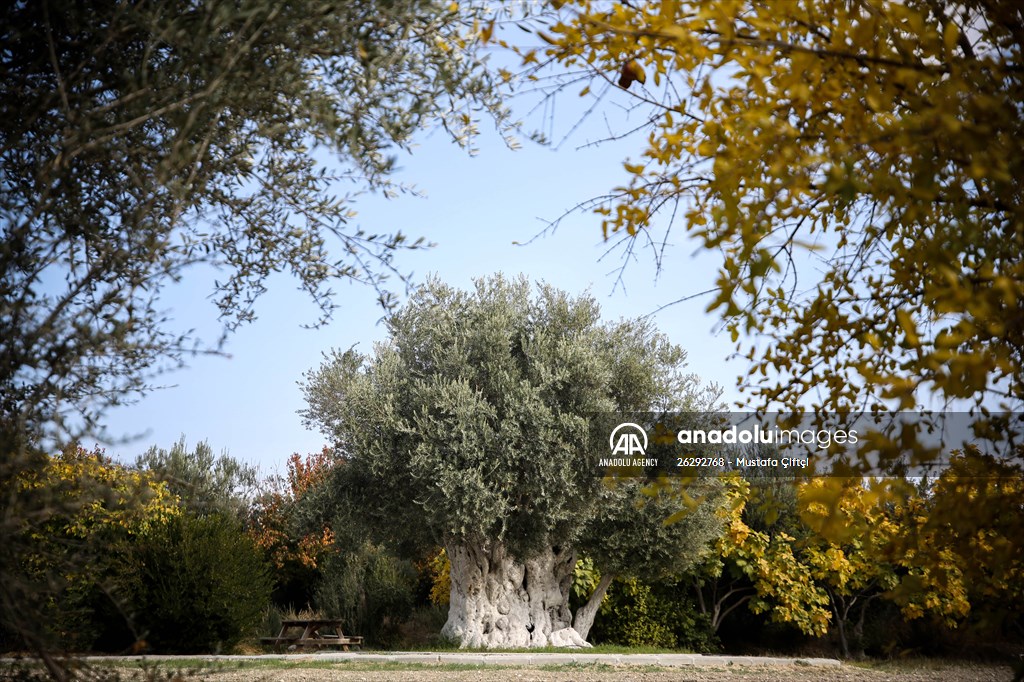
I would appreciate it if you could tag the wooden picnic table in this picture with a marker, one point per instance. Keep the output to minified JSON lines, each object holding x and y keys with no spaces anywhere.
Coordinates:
{"x":312,"y":632}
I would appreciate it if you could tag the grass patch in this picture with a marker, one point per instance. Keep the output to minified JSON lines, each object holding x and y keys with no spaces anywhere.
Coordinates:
{"x":157,"y":669}
{"x":297,"y":663}
{"x":358,"y":666}
{"x":270,"y":665}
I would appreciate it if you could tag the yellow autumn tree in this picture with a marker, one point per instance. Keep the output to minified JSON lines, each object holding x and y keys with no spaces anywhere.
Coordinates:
{"x":955,"y":557}
{"x":85,"y":508}
{"x":874,"y":147}
{"x":760,"y":570}
{"x":854,"y":546}
{"x":902,"y":547}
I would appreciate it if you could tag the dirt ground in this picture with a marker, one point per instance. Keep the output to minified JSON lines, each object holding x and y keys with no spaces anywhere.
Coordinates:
{"x":925,"y":672}
{"x":907,"y":671}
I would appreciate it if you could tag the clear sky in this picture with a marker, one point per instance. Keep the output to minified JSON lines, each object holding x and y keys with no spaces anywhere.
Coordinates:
{"x":474,"y":209}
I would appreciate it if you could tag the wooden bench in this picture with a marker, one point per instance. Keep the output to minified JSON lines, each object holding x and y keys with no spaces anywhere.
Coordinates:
{"x":312,"y":633}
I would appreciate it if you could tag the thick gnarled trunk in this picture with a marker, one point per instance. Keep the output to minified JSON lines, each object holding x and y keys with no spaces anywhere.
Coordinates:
{"x":500,"y":602}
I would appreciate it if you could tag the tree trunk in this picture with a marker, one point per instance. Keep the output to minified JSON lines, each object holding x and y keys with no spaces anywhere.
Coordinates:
{"x":844,"y":643}
{"x":584,"y":618}
{"x":499,"y":602}
{"x":840,"y":610}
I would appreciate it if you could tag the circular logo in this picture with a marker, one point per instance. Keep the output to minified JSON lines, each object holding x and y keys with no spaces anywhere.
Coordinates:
{"x":628,"y":439}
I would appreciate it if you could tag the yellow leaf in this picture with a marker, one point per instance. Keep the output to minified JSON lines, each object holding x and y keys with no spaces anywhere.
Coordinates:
{"x":950,"y":36}
{"x":674,"y":32}
{"x":906,"y":322}
{"x":486,"y":32}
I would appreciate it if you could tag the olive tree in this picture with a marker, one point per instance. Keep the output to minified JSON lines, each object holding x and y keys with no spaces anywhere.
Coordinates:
{"x":470,"y":427}
{"x":138,"y":140}
{"x":205,"y":483}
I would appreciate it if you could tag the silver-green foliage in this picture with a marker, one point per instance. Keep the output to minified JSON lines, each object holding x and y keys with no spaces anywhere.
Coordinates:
{"x":628,"y":534}
{"x":471,"y":424}
{"x":138,"y":139}
{"x":205,"y":483}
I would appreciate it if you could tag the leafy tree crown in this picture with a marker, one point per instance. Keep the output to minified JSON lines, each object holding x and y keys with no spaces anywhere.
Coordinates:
{"x":473,"y":420}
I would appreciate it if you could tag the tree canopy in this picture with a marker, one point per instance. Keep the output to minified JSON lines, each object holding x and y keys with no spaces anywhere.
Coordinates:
{"x":138,"y":140}
{"x":204,"y":482}
{"x":877,"y":143}
{"x":474,"y":416}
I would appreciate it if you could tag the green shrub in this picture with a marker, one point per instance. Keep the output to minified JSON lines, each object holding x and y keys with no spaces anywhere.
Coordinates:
{"x":198,"y":585}
{"x":637,"y":614}
{"x":370,"y":589}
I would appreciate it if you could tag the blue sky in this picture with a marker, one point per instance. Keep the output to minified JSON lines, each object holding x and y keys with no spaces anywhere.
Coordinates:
{"x":474,"y":209}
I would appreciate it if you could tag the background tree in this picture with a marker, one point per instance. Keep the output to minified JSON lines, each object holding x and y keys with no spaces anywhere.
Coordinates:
{"x":895,"y":551}
{"x":628,"y":536}
{"x":325,"y":554}
{"x":759,"y":568}
{"x":205,"y":483}
{"x":965,"y":567}
{"x":290,"y":521}
{"x":470,"y":428}
{"x":876,"y":142}
{"x":854,"y":572}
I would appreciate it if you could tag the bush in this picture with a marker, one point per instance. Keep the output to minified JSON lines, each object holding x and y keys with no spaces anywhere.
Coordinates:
{"x":422,"y":630}
{"x":371,"y":590}
{"x":61,"y":563}
{"x":198,"y":585}
{"x":637,"y":614}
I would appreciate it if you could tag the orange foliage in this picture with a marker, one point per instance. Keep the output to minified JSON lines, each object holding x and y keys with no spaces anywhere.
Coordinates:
{"x":270,"y":527}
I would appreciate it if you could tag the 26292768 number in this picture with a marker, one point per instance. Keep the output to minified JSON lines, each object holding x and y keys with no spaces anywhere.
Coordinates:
{"x":700,"y":461}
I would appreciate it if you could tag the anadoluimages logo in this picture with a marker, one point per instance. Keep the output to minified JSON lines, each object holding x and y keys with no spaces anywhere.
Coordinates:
{"x":628,"y":439}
